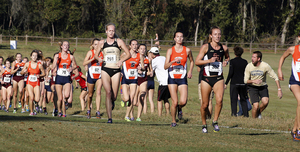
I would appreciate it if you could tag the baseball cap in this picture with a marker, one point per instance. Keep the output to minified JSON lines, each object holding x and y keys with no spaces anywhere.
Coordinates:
{"x":154,"y":50}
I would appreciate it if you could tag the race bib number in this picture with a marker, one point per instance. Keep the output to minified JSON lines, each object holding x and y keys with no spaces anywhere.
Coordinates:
{"x":6,"y":79}
{"x":32,"y":78}
{"x":132,"y":72}
{"x":110,"y":58}
{"x":96,"y":69}
{"x":63,"y":72}
{"x":215,"y":67}
{"x":178,"y":69}
{"x":298,"y":66}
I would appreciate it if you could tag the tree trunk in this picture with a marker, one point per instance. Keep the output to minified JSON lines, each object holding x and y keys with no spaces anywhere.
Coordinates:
{"x":198,"y":21}
{"x":287,"y":21}
{"x":53,"y":32}
{"x":145,"y":25}
{"x":244,"y":19}
{"x":253,"y":33}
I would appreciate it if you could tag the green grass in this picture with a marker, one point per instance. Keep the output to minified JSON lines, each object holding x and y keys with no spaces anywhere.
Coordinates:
{"x":19,"y":132}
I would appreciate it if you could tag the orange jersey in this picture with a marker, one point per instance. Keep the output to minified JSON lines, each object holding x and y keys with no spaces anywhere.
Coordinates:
{"x":63,"y":65}
{"x":130,"y":67}
{"x":32,"y":75}
{"x":178,"y":69}
{"x":296,"y":63}
{"x":95,"y":66}
{"x":19,"y":66}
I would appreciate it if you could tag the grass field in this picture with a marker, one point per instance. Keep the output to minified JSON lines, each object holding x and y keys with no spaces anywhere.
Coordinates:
{"x":20,"y":132}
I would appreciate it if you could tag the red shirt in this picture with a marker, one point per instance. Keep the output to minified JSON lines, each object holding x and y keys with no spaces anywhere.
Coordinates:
{"x":80,"y":80}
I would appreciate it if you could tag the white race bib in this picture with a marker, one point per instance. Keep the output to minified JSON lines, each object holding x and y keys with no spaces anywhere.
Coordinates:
{"x":6,"y":79}
{"x":132,"y":72}
{"x":32,"y":78}
{"x":110,"y":59}
{"x":63,"y":72}
{"x":178,"y":69}
{"x":96,"y":69}
{"x":298,"y":66}
{"x":54,"y":78}
{"x":215,"y":67}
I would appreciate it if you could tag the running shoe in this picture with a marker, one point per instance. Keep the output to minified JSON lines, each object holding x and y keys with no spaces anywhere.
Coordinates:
{"x":59,"y":114}
{"x":204,"y":129}
{"x":0,"y":107}
{"x":88,"y":113}
{"x":15,"y":111}
{"x":34,"y":113}
{"x":41,"y":110}
{"x":109,"y":120}
{"x":23,"y":111}
{"x":37,"y":109}
{"x":27,"y":108}
{"x":216,"y":127}
{"x":138,"y":119}
{"x":98,"y":115}
{"x":294,"y":135}
{"x":113,"y":105}
{"x":179,"y":113}
{"x":132,"y":119}
{"x":6,"y":110}
{"x":31,"y":114}
{"x":64,"y":116}
{"x":173,"y":124}
{"x":53,"y":112}
{"x":3,"y":107}
{"x":127,"y":119}
{"x":45,"y":113}
{"x":298,"y":134}
{"x":122,"y":103}
{"x":19,"y":106}
{"x":259,"y":116}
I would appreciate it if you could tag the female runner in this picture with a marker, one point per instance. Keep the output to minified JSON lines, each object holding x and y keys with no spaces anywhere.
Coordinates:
{"x":176,"y":63}
{"x":93,"y":77}
{"x":64,"y":64}
{"x":211,"y":56}
{"x":35,"y":70}
{"x":129,"y":79}
{"x":81,"y":79}
{"x":18,"y":82}
{"x":140,"y":96}
{"x":111,"y":73}
{"x":6,"y":73}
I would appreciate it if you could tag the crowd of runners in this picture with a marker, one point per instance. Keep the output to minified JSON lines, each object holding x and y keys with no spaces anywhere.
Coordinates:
{"x":30,"y":84}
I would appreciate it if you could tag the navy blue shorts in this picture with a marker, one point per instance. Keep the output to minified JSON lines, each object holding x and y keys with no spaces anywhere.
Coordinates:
{"x":150,"y":85}
{"x":91,"y":80}
{"x":62,"y":80}
{"x":127,"y":81}
{"x":48,"y":88}
{"x":293,"y":81}
{"x":177,"y":81}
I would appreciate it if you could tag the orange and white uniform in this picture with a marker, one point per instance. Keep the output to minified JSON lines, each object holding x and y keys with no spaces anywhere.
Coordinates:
{"x":95,"y":66}
{"x":129,"y":70}
{"x":178,"y":69}
{"x":32,"y":75}
{"x":63,"y":65}
{"x":295,"y":76}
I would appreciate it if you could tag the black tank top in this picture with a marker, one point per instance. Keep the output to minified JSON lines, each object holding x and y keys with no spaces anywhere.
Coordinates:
{"x":214,"y":68}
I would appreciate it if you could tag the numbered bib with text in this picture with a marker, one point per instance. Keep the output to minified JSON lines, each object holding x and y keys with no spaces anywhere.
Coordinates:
{"x":215,"y":67}
{"x":298,"y":66}
{"x":6,"y":79}
{"x":96,"y":69}
{"x":132,"y":72}
{"x":110,"y":58}
{"x":63,"y":72}
{"x":32,"y":78}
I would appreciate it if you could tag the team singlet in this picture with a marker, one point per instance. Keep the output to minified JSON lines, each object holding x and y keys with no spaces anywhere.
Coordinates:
{"x":146,"y":64}
{"x":32,"y":75}
{"x":178,"y":69}
{"x":95,"y":66}
{"x":111,"y":54}
{"x":80,"y":80}
{"x":19,"y":66}
{"x":63,"y":65}
{"x":130,"y":67}
{"x":6,"y":76}
{"x":296,"y":63}
{"x":214,"y":68}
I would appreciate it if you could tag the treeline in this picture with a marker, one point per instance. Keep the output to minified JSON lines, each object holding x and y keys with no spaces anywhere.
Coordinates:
{"x":240,"y":20}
